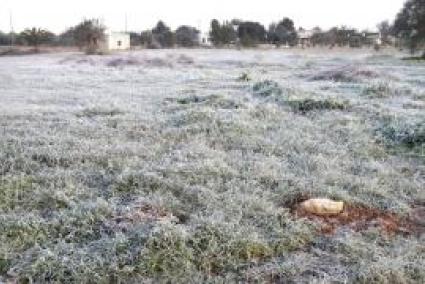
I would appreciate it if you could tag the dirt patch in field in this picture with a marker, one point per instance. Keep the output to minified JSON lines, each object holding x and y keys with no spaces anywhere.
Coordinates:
{"x":359,"y":218}
{"x":139,"y":213}
{"x":145,"y":212}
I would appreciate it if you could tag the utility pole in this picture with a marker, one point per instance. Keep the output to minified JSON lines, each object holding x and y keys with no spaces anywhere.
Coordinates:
{"x":126,"y":23}
{"x":12,"y":33}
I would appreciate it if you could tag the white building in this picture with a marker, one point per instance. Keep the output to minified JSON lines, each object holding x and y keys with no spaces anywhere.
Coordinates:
{"x":204,"y":39}
{"x":304,"y":37}
{"x":117,"y":41}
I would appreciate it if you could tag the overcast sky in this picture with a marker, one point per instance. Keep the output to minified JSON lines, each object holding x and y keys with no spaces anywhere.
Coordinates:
{"x":57,"y":15}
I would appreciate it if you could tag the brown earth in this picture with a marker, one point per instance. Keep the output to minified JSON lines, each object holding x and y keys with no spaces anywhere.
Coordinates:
{"x":360,"y":218}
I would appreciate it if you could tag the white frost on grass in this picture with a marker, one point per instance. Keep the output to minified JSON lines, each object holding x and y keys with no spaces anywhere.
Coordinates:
{"x":82,"y":142}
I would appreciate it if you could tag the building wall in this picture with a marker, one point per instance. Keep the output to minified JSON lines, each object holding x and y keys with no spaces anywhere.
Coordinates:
{"x":118,"y":41}
{"x":204,"y":39}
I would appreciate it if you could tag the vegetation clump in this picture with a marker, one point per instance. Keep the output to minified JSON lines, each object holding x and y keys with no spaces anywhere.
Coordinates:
{"x":383,"y":89}
{"x":216,"y":101}
{"x":18,"y":52}
{"x":267,"y":88}
{"x":211,"y":250}
{"x":402,"y":132}
{"x":89,"y":35}
{"x":99,"y":111}
{"x":346,"y":74}
{"x":307,"y":105}
{"x":122,"y":62}
{"x":244,"y":77}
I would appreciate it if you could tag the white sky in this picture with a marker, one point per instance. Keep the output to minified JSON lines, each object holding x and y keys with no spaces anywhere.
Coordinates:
{"x":57,"y":15}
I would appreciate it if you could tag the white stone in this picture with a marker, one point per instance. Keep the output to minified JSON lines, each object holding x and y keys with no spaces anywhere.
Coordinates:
{"x":322,"y":206}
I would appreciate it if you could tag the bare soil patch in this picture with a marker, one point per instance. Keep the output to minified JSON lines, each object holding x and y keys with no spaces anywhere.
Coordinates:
{"x":360,"y":218}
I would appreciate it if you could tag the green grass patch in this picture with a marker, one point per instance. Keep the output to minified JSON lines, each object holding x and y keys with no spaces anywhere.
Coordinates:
{"x":215,"y":249}
{"x":16,"y":192}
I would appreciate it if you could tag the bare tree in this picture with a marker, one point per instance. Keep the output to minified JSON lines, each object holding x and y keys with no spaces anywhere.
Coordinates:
{"x":89,"y":34}
{"x":384,"y":29}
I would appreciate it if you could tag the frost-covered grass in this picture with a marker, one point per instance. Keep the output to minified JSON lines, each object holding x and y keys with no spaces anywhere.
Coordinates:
{"x":182,"y":166}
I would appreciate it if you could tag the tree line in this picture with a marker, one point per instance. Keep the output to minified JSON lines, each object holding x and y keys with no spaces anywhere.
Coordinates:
{"x":237,"y":32}
{"x":408,"y":29}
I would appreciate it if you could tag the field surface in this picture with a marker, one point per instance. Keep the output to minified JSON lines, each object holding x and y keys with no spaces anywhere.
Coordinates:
{"x":187,"y":166}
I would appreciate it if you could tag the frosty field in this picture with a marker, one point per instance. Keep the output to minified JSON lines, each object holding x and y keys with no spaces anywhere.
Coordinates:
{"x":185,"y":166}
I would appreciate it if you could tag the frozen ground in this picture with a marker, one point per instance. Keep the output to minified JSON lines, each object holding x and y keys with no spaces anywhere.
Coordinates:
{"x":183,"y":166}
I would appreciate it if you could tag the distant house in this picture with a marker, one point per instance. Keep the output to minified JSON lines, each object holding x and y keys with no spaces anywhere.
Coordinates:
{"x":204,"y":39}
{"x":372,"y":38}
{"x":365,"y":38}
{"x":304,"y":37}
{"x":117,"y":41}
{"x":356,"y":40}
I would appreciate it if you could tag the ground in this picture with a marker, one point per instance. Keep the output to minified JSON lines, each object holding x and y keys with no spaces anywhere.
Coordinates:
{"x":187,"y":166}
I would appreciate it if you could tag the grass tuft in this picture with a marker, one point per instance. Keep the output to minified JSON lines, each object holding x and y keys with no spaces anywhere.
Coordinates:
{"x":244,"y":77}
{"x":393,"y":131}
{"x":99,"y":111}
{"x":308,"y":105}
{"x":267,"y":88}
{"x":383,"y":89}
